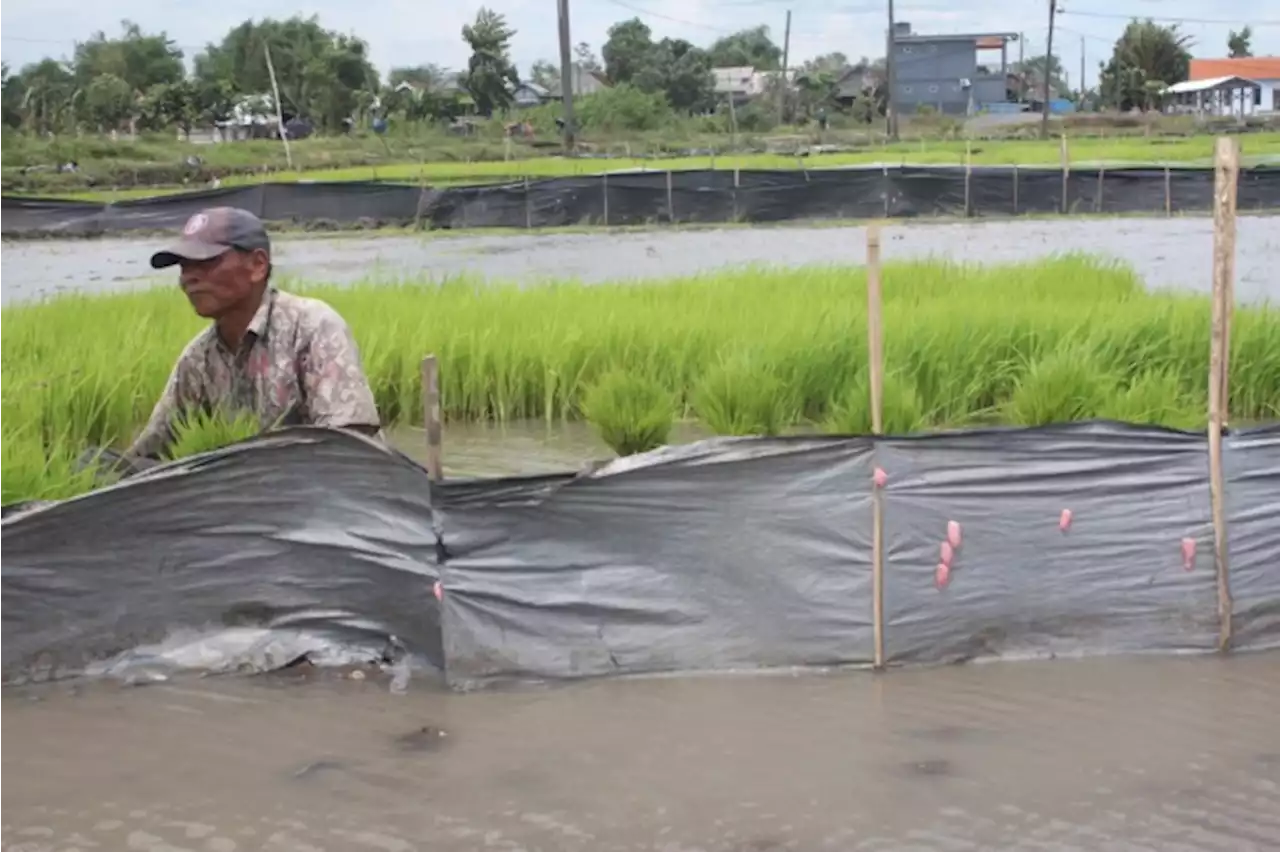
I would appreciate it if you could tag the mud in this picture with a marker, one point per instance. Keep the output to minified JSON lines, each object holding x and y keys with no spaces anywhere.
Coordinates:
{"x":1102,"y":754}
{"x":1167,"y":253}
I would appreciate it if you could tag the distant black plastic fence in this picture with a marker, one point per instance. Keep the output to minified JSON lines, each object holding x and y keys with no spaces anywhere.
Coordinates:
{"x":639,"y":198}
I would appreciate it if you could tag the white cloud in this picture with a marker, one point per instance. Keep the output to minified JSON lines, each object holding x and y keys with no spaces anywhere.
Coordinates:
{"x":411,"y":32}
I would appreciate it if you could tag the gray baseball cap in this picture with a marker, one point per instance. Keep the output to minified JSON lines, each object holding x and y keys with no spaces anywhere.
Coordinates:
{"x":212,"y":232}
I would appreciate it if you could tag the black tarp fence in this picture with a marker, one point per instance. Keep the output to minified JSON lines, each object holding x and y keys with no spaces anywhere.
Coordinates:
{"x":639,"y":198}
{"x":725,"y":554}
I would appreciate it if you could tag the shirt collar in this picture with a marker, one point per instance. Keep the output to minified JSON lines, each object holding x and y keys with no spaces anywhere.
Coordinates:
{"x":261,"y":322}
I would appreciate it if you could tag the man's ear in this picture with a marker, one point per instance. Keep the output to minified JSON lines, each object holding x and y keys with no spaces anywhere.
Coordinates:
{"x":259,"y":266}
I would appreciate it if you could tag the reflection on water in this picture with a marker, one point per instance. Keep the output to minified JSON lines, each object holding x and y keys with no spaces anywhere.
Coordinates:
{"x":1112,"y":754}
{"x":524,"y":447}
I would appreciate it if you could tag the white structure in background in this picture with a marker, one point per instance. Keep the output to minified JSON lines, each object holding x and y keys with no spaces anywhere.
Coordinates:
{"x":1264,"y":71}
{"x":1215,"y":96}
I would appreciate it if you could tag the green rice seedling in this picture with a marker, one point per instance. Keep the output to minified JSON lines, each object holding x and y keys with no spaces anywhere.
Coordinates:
{"x":1155,"y":397}
{"x":200,"y":432}
{"x":632,"y":414}
{"x":749,"y":351}
{"x":1065,"y":385}
{"x":902,"y":410}
{"x":744,"y":396}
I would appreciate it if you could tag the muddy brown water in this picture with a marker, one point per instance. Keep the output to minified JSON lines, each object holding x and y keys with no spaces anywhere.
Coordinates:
{"x":1167,"y":253}
{"x":1101,"y":754}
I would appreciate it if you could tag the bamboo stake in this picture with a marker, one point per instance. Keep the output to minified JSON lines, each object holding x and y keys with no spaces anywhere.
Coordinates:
{"x":1102,"y":170}
{"x":671,"y":205}
{"x":431,"y":417}
{"x":528,"y":207}
{"x":1065,"y":159}
{"x":1168,"y":193}
{"x":968,"y":175}
{"x":1015,"y":189}
{"x":1226,"y":167}
{"x":875,"y":351}
{"x":604,"y":183}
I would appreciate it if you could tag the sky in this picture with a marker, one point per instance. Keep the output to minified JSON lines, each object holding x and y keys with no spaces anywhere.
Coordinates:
{"x":414,"y":32}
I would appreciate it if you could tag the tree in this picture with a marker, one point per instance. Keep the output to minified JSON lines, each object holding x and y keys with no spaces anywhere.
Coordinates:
{"x":673,"y":67}
{"x":140,"y":60}
{"x":751,"y":47}
{"x":1031,"y":72}
{"x":46,"y":95}
{"x":546,"y":75}
{"x":585,"y":59}
{"x":490,"y":73}
{"x":1145,"y":54}
{"x":170,"y":105}
{"x":108,"y":101}
{"x":1238,"y":43}
{"x":323,"y":76}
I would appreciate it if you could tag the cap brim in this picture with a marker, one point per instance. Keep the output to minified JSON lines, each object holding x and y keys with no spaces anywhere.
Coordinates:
{"x":186,"y":250}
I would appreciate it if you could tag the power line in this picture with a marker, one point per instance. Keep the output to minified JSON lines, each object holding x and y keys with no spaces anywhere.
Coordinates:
{"x":1169,"y":19}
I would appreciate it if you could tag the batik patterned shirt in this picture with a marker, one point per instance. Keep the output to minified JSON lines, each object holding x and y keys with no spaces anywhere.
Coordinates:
{"x":297,"y":364}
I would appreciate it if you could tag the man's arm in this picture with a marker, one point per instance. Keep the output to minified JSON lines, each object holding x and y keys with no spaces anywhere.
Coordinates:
{"x":157,"y":435}
{"x":333,"y":378}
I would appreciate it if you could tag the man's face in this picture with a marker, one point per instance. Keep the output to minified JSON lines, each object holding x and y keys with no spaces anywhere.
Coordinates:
{"x":220,"y":285}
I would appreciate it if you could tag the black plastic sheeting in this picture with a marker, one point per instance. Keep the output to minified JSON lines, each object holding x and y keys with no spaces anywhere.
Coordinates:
{"x":725,"y":554}
{"x":638,"y":198}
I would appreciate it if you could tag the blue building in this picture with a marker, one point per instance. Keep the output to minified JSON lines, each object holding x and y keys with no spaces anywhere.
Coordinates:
{"x":946,"y":73}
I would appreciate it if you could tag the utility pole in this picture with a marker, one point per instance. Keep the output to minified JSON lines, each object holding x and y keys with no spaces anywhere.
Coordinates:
{"x":1082,"y":87}
{"x":890,"y":74}
{"x":1048,"y":60}
{"x":566,"y":76}
{"x":782,"y":83}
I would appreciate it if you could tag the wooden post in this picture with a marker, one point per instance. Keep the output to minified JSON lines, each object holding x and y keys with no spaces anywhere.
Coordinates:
{"x":528,"y":208}
{"x":875,"y":363}
{"x":885,"y":172}
{"x":1226,"y":170}
{"x":671,"y":204}
{"x":1065,"y":158}
{"x":1097,"y":204}
{"x":431,"y":417}
{"x":736,"y":212}
{"x":1015,"y":189}
{"x":604,"y":183}
{"x":1168,"y":193}
{"x":968,"y":174}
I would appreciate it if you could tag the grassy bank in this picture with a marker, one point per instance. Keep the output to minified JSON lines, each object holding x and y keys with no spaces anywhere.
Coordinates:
{"x":1255,"y":147}
{"x":744,"y":351}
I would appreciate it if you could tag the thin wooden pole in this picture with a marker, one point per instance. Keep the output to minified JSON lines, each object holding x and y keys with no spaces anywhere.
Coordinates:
{"x":968,"y":176}
{"x":1226,"y":168}
{"x":1015,"y":189}
{"x":1168,"y":193}
{"x":875,"y":352}
{"x":1102,"y":170}
{"x":431,"y":417}
{"x":1065,"y":158}
{"x":604,"y":183}
{"x":528,"y":205}
{"x":671,"y":204}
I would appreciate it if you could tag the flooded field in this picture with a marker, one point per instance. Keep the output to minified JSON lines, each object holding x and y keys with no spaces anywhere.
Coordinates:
{"x":1166,"y":252}
{"x":1104,"y":754}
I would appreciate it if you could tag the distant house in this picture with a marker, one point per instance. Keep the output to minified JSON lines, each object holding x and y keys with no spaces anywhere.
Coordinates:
{"x":1262,"y":70}
{"x":853,"y":82}
{"x":943,"y":71}
{"x":583,"y":82}
{"x":527,"y":95}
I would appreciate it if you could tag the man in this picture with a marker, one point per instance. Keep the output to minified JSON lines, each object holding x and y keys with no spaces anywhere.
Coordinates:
{"x":288,"y":360}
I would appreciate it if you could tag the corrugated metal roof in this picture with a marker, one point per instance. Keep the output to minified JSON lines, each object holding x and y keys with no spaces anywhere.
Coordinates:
{"x":1190,"y":86}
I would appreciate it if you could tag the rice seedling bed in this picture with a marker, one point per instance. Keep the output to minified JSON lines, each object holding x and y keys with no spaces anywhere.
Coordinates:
{"x":746,"y":351}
